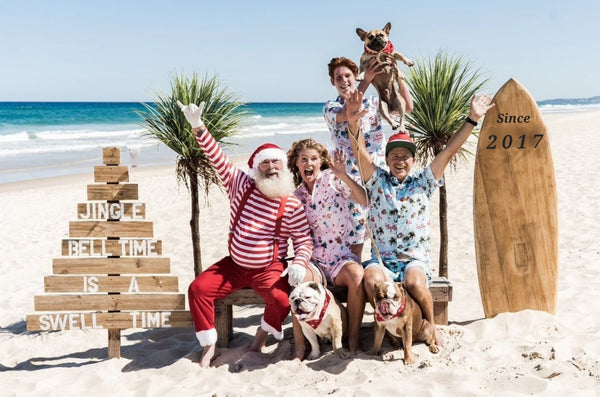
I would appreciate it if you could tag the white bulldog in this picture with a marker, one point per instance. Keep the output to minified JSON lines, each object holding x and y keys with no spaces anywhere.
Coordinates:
{"x":320,"y":314}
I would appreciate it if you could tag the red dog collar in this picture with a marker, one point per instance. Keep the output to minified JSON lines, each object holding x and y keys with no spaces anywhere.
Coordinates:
{"x":315,"y":323}
{"x":398,"y":313}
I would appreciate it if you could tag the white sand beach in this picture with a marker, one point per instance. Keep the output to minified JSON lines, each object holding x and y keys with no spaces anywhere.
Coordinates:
{"x":513,"y":354}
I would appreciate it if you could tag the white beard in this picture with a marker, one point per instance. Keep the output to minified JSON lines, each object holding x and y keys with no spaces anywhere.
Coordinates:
{"x":275,"y":186}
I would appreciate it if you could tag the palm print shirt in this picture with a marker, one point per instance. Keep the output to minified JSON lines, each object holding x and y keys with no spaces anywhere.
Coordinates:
{"x":330,"y":222}
{"x":399,"y":215}
{"x":375,"y":140}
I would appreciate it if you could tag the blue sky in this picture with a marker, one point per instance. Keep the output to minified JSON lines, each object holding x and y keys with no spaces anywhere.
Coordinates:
{"x":129,"y":50}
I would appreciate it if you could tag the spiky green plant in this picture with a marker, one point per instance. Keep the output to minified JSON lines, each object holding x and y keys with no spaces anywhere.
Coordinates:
{"x":442,"y":88}
{"x":223,"y":115}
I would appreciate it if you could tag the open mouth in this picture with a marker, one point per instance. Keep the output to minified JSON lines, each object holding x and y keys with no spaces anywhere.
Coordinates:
{"x":301,"y":314}
{"x":308,"y":173}
{"x":384,"y":309}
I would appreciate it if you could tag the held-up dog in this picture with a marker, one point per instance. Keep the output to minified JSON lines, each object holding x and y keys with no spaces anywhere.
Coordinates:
{"x":320,"y":314}
{"x":378,"y":46}
{"x":400,"y":315}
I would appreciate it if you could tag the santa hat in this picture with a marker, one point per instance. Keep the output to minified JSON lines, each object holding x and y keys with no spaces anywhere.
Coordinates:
{"x":401,"y":139}
{"x":268,"y":151}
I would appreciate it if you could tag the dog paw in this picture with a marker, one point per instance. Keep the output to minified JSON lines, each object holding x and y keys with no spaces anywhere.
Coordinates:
{"x":410,"y":63}
{"x":314,"y":355}
{"x":408,"y":360}
{"x":434,"y":349}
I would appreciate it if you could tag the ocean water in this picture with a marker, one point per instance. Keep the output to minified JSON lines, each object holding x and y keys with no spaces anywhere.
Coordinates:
{"x":42,"y":139}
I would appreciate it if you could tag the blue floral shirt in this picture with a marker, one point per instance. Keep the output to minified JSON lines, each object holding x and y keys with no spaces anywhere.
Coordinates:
{"x":399,"y":215}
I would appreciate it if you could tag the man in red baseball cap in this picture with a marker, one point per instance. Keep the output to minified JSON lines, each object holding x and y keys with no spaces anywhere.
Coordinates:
{"x":265,"y":214}
{"x":399,"y":204}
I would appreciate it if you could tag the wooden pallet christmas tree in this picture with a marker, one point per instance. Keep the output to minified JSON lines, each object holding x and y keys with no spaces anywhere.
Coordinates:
{"x":111,"y":274}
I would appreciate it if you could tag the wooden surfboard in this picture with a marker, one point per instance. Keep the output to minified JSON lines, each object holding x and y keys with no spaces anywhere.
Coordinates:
{"x":515,"y":207}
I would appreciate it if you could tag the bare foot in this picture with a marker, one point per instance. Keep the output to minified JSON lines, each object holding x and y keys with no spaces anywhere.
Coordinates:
{"x":260,"y":340}
{"x":207,"y":356}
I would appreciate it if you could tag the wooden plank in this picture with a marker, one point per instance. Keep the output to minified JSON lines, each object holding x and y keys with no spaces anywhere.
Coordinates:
{"x":110,"y":229}
{"x":111,"y":174}
{"x":114,"y":343}
{"x":130,"y":265}
{"x":109,"y":302}
{"x":118,"y":320}
{"x":89,"y":283}
{"x":124,"y":191}
{"x":111,"y":155}
{"x":441,"y":292}
{"x":113,"y":211}
{"x":103,"y":247}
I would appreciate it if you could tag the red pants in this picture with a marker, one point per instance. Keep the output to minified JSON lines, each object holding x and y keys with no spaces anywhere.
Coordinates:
{"x":225,"y":277}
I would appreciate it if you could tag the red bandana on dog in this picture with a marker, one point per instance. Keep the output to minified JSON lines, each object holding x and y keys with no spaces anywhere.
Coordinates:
{"x":315,"y":323}
{"x":389,"y":48}
{"x":398,"y":313}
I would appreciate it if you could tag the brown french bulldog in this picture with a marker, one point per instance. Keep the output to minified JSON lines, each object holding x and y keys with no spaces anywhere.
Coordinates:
{"x":377,"y":45}
{"x":400,"y":315}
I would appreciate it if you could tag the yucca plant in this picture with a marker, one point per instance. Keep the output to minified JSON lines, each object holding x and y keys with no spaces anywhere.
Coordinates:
{"x":442,"y":88}
{"x":223,"y":114}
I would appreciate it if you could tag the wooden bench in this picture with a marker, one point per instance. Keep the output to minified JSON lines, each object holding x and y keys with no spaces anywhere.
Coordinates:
{"x":441,"y":291}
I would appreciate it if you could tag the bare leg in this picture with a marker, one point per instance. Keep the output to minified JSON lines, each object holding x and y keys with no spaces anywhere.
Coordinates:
{"x":299,"y":345}
{"x":416,"y":285}
{"x":373,"y":275}
{"x":351,"y":276}
{"x":207,"y":355}
{"x":260,"y":340}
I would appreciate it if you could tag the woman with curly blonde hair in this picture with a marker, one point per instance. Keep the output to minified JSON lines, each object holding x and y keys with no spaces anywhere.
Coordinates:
{"x":324,"y":188}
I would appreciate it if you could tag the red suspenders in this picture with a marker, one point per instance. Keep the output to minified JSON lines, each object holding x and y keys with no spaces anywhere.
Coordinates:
{"x":280,"y":211}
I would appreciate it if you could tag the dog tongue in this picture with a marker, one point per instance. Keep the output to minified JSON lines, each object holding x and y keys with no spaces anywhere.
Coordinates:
{"x":384,"y":308}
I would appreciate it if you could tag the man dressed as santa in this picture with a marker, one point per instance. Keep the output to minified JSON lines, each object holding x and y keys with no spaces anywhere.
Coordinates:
{"x":264,"y":216}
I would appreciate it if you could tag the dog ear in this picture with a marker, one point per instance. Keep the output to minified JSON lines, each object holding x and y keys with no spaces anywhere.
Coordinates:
{"x":314,"y":285}
{"x":387,"y":28}
{"x":361,"y":33}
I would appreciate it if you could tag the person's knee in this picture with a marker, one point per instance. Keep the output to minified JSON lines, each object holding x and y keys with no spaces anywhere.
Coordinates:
{"x":195,"y":289}
{"x":354,"y":274}
{"x":415,"y":280}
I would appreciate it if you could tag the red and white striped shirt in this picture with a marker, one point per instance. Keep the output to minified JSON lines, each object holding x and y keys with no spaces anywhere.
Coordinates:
{"x":252,"y":240}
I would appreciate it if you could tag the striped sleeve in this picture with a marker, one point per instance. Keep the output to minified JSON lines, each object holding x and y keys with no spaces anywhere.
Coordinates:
{"x":295,"y":226}
{"x":223,"y":166}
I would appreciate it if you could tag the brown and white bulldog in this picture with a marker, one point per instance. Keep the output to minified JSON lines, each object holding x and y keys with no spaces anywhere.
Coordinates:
{"x":320,"y":314}
{"x":377,"y":45}
{"x":400,"y":315}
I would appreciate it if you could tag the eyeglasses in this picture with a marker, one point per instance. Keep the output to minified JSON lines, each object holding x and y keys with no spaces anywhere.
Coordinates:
{"x":267,"y":163}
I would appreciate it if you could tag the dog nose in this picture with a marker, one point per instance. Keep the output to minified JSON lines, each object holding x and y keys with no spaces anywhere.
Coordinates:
{"x":297,"y":301}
